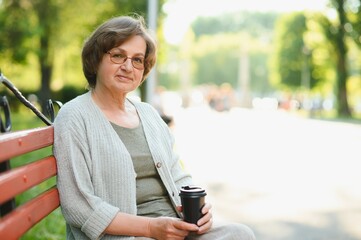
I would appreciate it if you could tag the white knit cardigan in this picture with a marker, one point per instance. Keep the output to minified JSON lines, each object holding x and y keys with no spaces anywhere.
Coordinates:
{"x":96,"y":178}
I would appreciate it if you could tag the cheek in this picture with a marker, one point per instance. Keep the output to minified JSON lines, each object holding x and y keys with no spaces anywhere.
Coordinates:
{"x":106,"y":69}
{"x":139,"y":76}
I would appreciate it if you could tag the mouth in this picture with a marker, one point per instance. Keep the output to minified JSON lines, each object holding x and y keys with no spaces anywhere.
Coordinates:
{"x":124,"y":78}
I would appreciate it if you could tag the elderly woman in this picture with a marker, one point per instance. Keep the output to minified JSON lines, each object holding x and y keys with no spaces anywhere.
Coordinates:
{"x":118,"y":177}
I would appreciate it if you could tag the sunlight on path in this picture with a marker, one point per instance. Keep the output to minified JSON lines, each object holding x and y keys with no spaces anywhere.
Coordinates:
{"x":299,"y":176}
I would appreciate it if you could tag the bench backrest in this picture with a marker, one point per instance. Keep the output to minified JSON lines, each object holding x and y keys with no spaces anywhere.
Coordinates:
{"x":17,"y":180}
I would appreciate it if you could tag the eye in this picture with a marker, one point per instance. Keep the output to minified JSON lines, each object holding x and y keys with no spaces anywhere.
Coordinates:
{"x":138,"y":60}
{"x":118,"y":55}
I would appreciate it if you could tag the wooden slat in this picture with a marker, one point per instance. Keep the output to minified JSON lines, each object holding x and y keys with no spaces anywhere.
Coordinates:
{"x":16,"y":223}
{"x":20,"y":142}
{"x":22,"y":178}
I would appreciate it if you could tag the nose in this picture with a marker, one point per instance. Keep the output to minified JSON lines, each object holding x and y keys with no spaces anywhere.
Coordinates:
{"x":127,"y":65}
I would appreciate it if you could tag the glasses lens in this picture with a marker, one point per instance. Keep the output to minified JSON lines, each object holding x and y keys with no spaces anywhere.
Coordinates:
{"x":138,"y":63}
{"x":118,"y":58}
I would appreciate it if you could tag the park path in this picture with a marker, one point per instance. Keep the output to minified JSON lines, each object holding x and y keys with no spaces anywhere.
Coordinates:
{"x":286,"y":177}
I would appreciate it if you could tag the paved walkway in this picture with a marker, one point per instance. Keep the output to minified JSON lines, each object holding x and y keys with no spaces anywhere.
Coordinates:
{"x":286,"y":177}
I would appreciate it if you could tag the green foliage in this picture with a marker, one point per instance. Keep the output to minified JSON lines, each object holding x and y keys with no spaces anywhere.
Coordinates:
{"x":305,"y":49}
{"x":353,"y":7}
{"x":41,"y":40}
{"x":217,"y":59}
{"x":254,"y":23}
{"x":217,"y":67}
{"x":289,"y":45}
{"x":337,"y":31}
{"x":217,"y":49}
{"x":168,"y":78}
{"x":67,"y":93}
{"x":259,"y":73}
{"x":25,"y":49}
{"x":24,"y":119}
{"x":47,"y":35}
{"x":50,"y":228}
{"x":16,"y":30}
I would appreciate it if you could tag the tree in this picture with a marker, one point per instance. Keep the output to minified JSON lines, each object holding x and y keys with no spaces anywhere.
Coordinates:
{"x":337,"y":35}
{"x":48,"y":19}
{"x":256,"y":24}
{"x":291,"y":40}
{"x":217,"y":50}
{"x":32,"y":27}
{"x":346,"y":26}
{"x":43,"y":28}
{"x":354,"y":18}
{"x":289,"y":57}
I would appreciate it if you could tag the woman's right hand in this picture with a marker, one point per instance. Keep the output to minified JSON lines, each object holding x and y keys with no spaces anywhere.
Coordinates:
{"x":170,"y":228}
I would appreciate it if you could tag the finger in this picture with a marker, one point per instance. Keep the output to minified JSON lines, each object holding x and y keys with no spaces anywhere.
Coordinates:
{"x":205,"y":227}
{"x":206,"y":208}
{"x":179,"y":208}
{"x":206,"y":218}
{"x":186,"y":226}
{"x":178,"y":233}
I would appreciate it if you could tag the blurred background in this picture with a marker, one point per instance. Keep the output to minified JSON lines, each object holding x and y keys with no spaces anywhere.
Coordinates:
{"x":263,"y":97}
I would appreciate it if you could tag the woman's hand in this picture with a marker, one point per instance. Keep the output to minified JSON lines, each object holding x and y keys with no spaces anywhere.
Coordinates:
{"x":205,"y":223}
{"x":170,"y":228}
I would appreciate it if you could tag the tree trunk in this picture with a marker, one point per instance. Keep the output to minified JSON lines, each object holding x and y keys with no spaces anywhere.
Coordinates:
{"x":46,"y":69}
{"x":45,"y":11}
{"x":342,"y":73}
{"x":45,"y":92}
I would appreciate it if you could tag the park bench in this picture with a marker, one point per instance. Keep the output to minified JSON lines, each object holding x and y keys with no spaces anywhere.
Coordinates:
{"x":15,"y":221}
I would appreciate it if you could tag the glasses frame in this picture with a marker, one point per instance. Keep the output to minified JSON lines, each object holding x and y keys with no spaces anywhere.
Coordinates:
{"x":125,"y":59}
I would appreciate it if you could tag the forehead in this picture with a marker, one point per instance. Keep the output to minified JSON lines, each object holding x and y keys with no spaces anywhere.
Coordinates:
{"x":134,"y":45}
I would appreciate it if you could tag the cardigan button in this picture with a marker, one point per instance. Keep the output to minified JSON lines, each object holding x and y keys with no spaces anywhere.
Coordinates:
{"x":159,"y":164}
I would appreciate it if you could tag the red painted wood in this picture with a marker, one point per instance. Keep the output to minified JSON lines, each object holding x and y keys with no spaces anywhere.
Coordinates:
{"x":22,"y":178}
{"x":15,"y":181}
{"x":20,"y":142}
{"x":16,"y":223}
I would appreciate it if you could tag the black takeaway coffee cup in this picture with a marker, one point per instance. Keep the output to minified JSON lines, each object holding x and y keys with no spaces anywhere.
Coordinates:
{"x":192,"y":198}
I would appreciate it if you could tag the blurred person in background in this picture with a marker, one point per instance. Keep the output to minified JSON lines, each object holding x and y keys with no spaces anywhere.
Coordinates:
{"x":118,"y":176}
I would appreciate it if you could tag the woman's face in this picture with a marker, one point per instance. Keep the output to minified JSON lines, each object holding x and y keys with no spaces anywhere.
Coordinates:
{"x":121,"y":78}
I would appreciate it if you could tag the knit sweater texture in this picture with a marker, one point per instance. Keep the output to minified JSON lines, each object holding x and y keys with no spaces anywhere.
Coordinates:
{"x":96,"y":177}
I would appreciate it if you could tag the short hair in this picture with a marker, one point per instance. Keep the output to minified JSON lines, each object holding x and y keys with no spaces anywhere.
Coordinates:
{"x":113,"y":33}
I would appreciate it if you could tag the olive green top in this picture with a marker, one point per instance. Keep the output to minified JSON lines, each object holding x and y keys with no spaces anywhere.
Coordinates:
{"x":152,"y":197}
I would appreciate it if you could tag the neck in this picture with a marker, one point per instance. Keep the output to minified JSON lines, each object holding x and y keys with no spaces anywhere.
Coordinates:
{"x":108,"y":101}
{"x":117,"y":110}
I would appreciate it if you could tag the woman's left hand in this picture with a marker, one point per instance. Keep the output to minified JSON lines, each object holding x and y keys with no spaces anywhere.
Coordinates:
{"x":205,"y":223}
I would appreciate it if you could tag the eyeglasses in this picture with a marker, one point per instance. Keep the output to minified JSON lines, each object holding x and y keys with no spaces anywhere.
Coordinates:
{"x":119,"y":58}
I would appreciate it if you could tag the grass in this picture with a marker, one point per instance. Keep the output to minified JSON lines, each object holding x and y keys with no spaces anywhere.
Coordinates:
{"x":53,"y":226}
